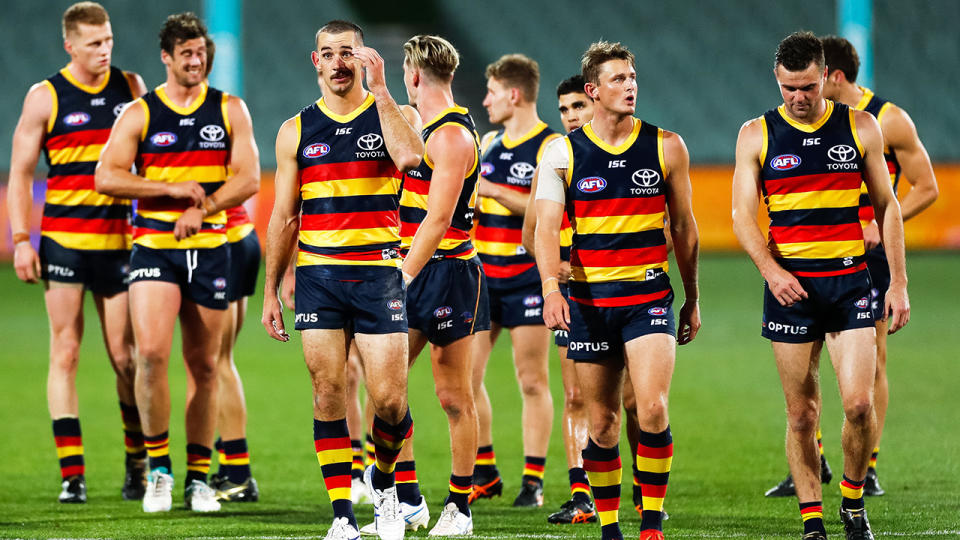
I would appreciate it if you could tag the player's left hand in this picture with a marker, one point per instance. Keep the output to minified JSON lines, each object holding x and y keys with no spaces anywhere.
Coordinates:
{"x":188,"y":224}
{"x":896,"y":308}
{"x":373,"y":65}
{"x":689,"y":322}
{"x":871,"y":235}
{"x":563,"y":273}
{"x":556,"y":312}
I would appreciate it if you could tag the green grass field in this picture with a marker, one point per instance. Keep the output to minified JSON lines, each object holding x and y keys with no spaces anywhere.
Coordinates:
{"x":726,"y":414}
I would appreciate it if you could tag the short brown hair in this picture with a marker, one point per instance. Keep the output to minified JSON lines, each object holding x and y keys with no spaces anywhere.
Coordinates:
{"x":83,"y":13}
{"x":840,"y":54}
{"x":338,"y":26}
{"x":517,"y":71}
{"x":181,"y":27}
{"x":798,"y":50}
{"x":597,"y":54}
{"x":433,"y":54}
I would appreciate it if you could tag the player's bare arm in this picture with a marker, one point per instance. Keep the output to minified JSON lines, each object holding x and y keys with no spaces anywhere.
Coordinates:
{"x":530,"y":217}
{"x":513,"y":200}
{"x":556,"y":311}
{"x":137,"y":87}
{"x":887,"y":210}
{"x":451,"y":150}
{"x":683,"y":229}
{"x":900,"y":134}
{"x":746,"y":200}
{"x":27,"y":144}
{"x":282,"y":228}
{"x":401,"y":129}
{"x":113,"y":176}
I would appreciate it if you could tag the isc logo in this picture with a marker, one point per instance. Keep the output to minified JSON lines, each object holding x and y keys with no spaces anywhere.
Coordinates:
{"x":76,"y":119}
{"x":591,"y":184}
{"x":164,"y":138}
{"x":316,"y":150}
{"x":785,"y":162}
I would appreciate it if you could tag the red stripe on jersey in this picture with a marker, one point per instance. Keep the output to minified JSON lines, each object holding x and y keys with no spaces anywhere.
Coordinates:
{"x":816,"y":233}
{"x":237,"y":216}
{"x":416,"y":185}
{"x":813,"y":182}
{"x":619,"y":301}
{"x":333,"y":443}
{"x":497,"y":234}
{"x":348,"y":220}
{"x":618,"y":257}
{"x":345,"y":171}
{"x":71,"y":182}
{"x":865,"y":213}
{"x":618,"y":207}
{"x":513,"y":270}
{"x":601,"y":466}
{"x":829,"y":273}
{"x":653,"y":452}
{"x":84,"y":137}
{"x":81,"y":225}
{"x":193,"y":158}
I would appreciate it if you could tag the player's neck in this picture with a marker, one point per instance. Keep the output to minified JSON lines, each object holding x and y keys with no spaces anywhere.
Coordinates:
{"x":523,"y":120}
{"x":85,"y":77}
{"x":181,"y":95}
{"x":613,"y":128}
{"x":432,"y":101}
{"x":345,"y":104}
{"x":850,"y":94}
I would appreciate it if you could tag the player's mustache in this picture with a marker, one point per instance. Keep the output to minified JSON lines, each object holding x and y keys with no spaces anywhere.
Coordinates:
{"x":342,"y":73}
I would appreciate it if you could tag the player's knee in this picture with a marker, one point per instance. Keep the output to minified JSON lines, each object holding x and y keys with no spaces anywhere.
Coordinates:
{"x":858,"y":409}
{"x":65,"y":355}
{"x":653,"y":411}
{"x":392,"y":408}
{"x":803,"y":419}
{"x":532,"y":385}
{"x":573,"y":400}
{"x":454,"y":403}
{"x":605,"y":429}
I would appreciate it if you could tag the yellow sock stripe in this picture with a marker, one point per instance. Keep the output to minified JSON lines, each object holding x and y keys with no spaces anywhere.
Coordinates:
{"x":601,"y":479}
{"x":339,"y":494}
{"x":654,"y":465}
{"x":235,"y":461}
{"x":158,"y":452}
{"x":609,"y":516}
{"x":851,"y":493}
{"x":811,"y":515}
{"x":336,"y":455}
{"x":385,"y":468}
{"x":455,"y":489}
{"x":532,"y":472}
{"x":653,"y":503}
{"x":490,"y":461}
{"x":67,"y":451}
{"x":579,"y":490}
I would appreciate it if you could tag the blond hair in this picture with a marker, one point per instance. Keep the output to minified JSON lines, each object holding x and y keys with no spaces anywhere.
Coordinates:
{"x":434,"y":55}
{"x":83,"y":13}
{"x":517,"y":71}
{"x":597,"y":54}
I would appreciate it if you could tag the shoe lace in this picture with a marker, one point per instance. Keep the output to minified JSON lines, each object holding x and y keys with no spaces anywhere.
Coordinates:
{"x":389,"y":506}
{"x":448,"y":517}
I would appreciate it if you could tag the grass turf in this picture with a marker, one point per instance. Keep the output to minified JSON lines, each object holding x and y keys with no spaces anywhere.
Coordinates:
{"x":726,"y":414}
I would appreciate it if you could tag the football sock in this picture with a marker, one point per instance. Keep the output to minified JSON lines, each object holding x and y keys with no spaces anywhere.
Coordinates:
{"x":820,"y":441}
{"x":370,"y":455}
{"x":198,"y":463}
{"x":637,"y":492}
{"x":158,"y":451}
{"x":235,"y":460}
{"x":533,"y":469}
{"x":356,"y":446}
{"x":812,"y":515}
{"x":132,"y":433}
{"x":654,"y":457}
{"x":603,"y":469}
{"x":69,"y":441}
{"x":873,"y":458}
{"x":852,"y":494}
{"x":460,"y":487}
{"x":579,"y":484}
{"x":388,"y":440}
{"x":485,"y":467}
{"x":332,"y":442}
{"x":408,"y":489}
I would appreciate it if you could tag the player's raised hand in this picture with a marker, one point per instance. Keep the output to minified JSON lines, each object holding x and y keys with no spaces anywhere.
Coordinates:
{"x":272,"y":318}
{"x":187,"y":190}
{"x":784,"y":286}
{"x":373,"y":65}
{"x":556,"y":312}
{"x":896,"y":308}
{"x":26,"y":262}
{"x":689,"y":322}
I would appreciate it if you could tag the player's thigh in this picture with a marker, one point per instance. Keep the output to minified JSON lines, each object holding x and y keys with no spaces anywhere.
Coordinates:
{"x":531,"y":350}
{"x":64,"y":302}
{"x":650,"y":359}
{"x":325,"y":353}
{"x":601,"y":383}
{"x":416,"y":341}
{"x":798,"y":365}
{"x":201,"y":328}
{"x":154,"y":306}
{"x":114,"y":312}
{"x":853,"y":354}
{"x":451,"y":365}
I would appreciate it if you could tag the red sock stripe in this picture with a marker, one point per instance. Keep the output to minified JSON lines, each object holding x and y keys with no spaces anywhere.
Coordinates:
{"x":850,"y":485}
{"x":68,"y":441}
{"x":601,"y":466}
{"x":405,"y":476}
{"x":196,"y":458}
{"x":339,"y":481}
{"x":652,"y":490}
{"x":533,"y":467}
{"x":336,"y":443}
{"x":71,"y":470}
{"x":578,"y":486}
{"x":606,"y":505}
{"x":809,"y":509}
{"x":245,"y":455}
{"x":655,"y":453}
{"x":486,"y":455}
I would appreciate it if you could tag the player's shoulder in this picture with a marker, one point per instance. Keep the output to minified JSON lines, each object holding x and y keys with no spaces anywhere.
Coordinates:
{"x":488,"y":138}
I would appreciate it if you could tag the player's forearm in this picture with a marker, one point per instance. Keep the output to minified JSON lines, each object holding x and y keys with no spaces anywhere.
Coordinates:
{"x":234,"y":192}
{"x":547,"y":245}
{"x":919,"y":198}
{"x":512,"y":200}
{"x":402,"y":141}
{"x":686,"y":248}
{"x":281,"y":235}
{"x":529,"y":231}
{"x":424,"y":244}
{"x":748,"y":234}
{"x":891,"y":235}
{"x":19,"y":201}
{"x":119,"y":182}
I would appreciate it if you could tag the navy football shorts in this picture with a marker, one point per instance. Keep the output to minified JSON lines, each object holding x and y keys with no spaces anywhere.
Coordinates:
{"x":201,"y":273}
{"x":244,"y":267}
{"x":367,"y":306}
{"x":102,"y":272}
{"x":561,"y":337}
{"x":879,"y":270}
{"x":833,"y":304}
{"x":448,"y":300}
{"x":519,"y":306}
{"x":598,"y":333}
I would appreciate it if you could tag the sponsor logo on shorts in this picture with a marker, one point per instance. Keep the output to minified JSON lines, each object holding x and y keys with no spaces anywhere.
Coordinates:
{"x":862,"y":303}
{"x":306,"y":317}
{"x":220,"y":283}
{"x":395,"y":304}
{"x":144,"y":273}
{"x":591,"y":184}
{"x":445,"y":325}
{"x":560,"y":333}
{"x":76,"y":119}
{"x":222,"y":295}
{"x":316,"y":150}
{"x":533,"y":300}
{"x":657,"y":311}
{"x":60,"y":271}
{"x":164,"y":138}
{"x":443,"y":312}
{"x":486,"y":168}
{"x":785,"y":162}
{"x":467,"y":317}
{"x":786,"y":328}
{"x":589,"y":346}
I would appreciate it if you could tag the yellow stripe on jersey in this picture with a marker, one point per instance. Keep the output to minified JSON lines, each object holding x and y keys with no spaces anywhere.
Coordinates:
{"x":492,"y":207}
{"x":72,"y":240}
{"x":838,"y":198}
{"x":500,"y":249}
{"x":74,"y":197}
{"x":238,"y":233}
{"x":766,"y":141}
{"x":203,"y":174}
{"x":311,"y":259}
{"x":350,"y":187}
{"x":819,"y":250}
{"x":53,"y":106}
{"x":146,"y":118}
{"x":569,"y":174}
{"x":663,"y":161}
{"x":618,"y":149}
{"x":509,"y":143}
{"x":349,"y":237}
{"x":165,"y":240}
{"x":86,"y":88}
{"x":543,"y":145}
{"x":654,"y":465}
{"x":566,"y":237}
{"x":161,"y":92}
{"x":807,"y":128}
{"x":225,"y":98}
{"x":413,"y":200}
{"x":853,"y":129}
{"x":90,"y":152}
{"x":171,"y":216}
{"x":619,"y":224}
{"x":344,"y":118}
{"x":601,"y":274}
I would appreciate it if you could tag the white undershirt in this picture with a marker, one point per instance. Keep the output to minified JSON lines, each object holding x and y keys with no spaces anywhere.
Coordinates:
{"x":549,"y":184}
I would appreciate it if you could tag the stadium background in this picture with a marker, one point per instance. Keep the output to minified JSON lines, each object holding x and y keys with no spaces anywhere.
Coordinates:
{"x":703,"y":69}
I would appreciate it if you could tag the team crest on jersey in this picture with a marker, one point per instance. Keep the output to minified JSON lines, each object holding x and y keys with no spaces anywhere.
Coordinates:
{"x":785,"y":162}
{"x":467,"y":317}
{"x":442,"y":312}
{"x":220,"y":283}
{"x":591,"y":184}
{"x":316,"y":150}
{"x":657,"y":311}
{"x":486,"y":168}
{"x":533,"y":300}
{"x":75,"y":119}
{"x":164,"y":138}
{"x":118,"y":109}
{"x":396,"y":304}
{"x":862,"y":303}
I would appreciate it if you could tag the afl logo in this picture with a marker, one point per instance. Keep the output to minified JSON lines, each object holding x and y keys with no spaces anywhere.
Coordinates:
{"x":76,"y":119}
{"x":645,"y":177}
{"x":220,"y":283}
{"x":370,"y":141}
{"x":396,"y":304}
{"x":164,"y":138}
{"x":862,"y":303}
{"x":522,"y":170}
{"x":533,"y":300}
{"x":785,"y":162}
{"x":486,"y":168}
{"x":591,"y":184}
{"x":657,"y":311}
{"x":316,"y":150}
{"x":443,"y":312}
{"x":841,"y":153}
{"x":211,"y":132}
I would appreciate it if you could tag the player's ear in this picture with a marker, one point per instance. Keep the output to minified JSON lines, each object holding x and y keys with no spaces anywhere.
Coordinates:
{"x":591,"y":90}
{"x":315,"y":59}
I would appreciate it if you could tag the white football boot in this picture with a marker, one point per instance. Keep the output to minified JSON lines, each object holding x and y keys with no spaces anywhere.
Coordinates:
{"x":386,"y":509}
{"x":453,"y":523}
{"x":342,"y":530}
{"x":415,"y":517}
{"x":200,"y":497}
{"x":158,"y":497}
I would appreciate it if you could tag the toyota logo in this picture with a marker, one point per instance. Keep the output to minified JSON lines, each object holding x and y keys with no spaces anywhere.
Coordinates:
{"x":118,"y":109}
{"x":645,"y":177}
{"x":841,"y":153}
{"x":370,"y":141}
{"x":211,"y":133}
{"x":522,"y":170}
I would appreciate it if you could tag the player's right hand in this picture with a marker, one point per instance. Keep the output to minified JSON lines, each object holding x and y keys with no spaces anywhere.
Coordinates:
{"x":187,"y":190}
{"x":273,"y":318}
{"x":785,"y":287}
{"x":288,"y":290}
{"x":896,"y":308}
{"x":556,"y":312}
{"x":26,"y":262}
{"x":871,"y":235}
{"x":564,"y":272}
